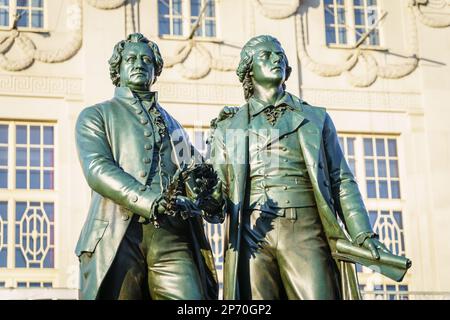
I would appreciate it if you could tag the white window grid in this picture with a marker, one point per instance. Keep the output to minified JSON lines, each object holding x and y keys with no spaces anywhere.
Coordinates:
{"x":34,"y":284}
{"x":207,"y":26}
{"x":347,"y":31}
{"x":44,"y":150}
{"x":11,"y":274}
{"x":381,"y":210}
{"x":32,"y":9}
{"x":382,"y":161}
{"x":183,"y":13}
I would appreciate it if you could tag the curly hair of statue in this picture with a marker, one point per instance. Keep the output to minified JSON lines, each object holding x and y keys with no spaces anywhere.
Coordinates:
{"x":245,"y":64}
{"x":116,"y":58}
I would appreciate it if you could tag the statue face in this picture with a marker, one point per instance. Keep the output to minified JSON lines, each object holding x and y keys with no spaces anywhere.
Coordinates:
{"x":269,"y":64}
{"x":137,"y":69}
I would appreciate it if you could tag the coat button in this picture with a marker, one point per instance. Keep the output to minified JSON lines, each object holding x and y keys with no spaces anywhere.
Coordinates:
{"x":148,"y":146}
{"x":146,"y":160}
{"x":284,"y":149}
{"x":134,"y":198}
{"x":287,"y":201}
{"x":144,"y":121}
{"x":285,"y":160}
{"x":139,"y":111}
{"x":125,"y":217}
{"x":326,"y":184}
{"x":331,"y":200}
{"x":285,"y":187}
{"x":143,"y":188}
{"x":142,"y":173}
{"x":147,"y":133}
{"x":320,"y":165}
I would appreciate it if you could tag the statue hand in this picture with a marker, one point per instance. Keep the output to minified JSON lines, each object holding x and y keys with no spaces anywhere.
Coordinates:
{"x":375,"y":246}
{"x":186,"y":207}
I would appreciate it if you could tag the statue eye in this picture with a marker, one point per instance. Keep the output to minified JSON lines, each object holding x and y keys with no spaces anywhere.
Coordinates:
{"x":131,"y":59}
{"x":147,"y":59}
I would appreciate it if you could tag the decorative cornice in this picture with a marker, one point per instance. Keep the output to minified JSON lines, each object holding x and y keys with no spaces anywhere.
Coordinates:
{"x":364,"y":100}
{"x":40,"y":86}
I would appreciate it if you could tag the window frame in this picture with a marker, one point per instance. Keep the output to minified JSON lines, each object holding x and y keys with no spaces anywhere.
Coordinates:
{"x":11,"y":274}
{"x":351,"y":28}
{"x":13,"y":9}
{"x":186,"y":23}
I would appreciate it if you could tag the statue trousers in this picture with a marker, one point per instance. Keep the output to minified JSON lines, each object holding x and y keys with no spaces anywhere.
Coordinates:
{"x":153,"y":263}
{"x":285,"y":255}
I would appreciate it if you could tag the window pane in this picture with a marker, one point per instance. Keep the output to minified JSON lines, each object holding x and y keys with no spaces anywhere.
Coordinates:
{"x":370,"y":168}
{"x":163,"y":7}
{"x":4,"y":2}
{"x":392,"y":146}
{"x":395,"y":189}
{"x":371,"y":190}
{"x":374,"y":38}
{"x":21,"y":179}
{"x":35,"y":157}
{"x":3,"y":156}
{"x":329,"y":16}
{"x":351,"y":163}
{"x":177,"y":27}
{"x":3,"y":178}
{"x":210,"y":28}
{"x":22,"y":3}
{"x":35,"y":135}
{"x":37,"y":19}
{"x":48,"y":157}
{"x":23,"y":20}
{"x":38,"y":3}
{"x":383,"y":189}
{"x":48,"y":135}
{"x":342,"y":35}
{"x":3,"y":133}
{"x":359,"y":17}
{"x":48,"y":180}
{"x":195,"y":8}
{"x":21,"y":134}
{"x":210,"y":8}
{"x":341,"y":143}
{"x":382,"y":170}
{"x":393,"y":168}
{"x":4,"y":17}
{"x":351,"y":146}
{"x":341,"y":16}
{"x":164,"y":26}
{"x":176,"y":7}
{"x":21,"y":156}
{"x":358,"y":2}
{"x":35,"y":179}
{"x":368,"y":148}
{"x":380,"y":147}
{"x":331,"y":36}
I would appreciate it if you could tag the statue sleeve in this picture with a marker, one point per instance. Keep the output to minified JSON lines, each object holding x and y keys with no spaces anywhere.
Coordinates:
{"x":102,"y":173}
{"x":347,"y":197}
{"x":218,"y":159}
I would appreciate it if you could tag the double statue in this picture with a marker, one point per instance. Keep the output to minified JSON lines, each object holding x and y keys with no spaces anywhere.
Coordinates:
{"x":296,"y":222}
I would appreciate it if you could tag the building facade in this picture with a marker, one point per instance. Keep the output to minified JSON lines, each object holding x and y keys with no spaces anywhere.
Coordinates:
{"x":381,"y":68}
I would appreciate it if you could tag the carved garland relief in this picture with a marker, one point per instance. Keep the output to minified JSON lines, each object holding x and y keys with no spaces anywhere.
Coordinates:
{"x":373,"y":68}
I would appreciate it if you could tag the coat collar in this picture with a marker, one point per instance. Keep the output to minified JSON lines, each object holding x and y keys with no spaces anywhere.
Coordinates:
{"x":127,"y":94}
{"x":257,"y":105}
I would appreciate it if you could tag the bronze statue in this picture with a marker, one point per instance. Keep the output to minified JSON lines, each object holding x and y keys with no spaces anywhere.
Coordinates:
{"x":287,"y":184}
{"x":141,"y":239}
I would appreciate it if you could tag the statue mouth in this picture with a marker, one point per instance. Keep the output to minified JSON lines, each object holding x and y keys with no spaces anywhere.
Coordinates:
{"x":276,"y":68}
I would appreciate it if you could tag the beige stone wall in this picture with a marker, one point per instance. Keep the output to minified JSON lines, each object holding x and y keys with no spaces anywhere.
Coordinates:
{"x":372,"y":98}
